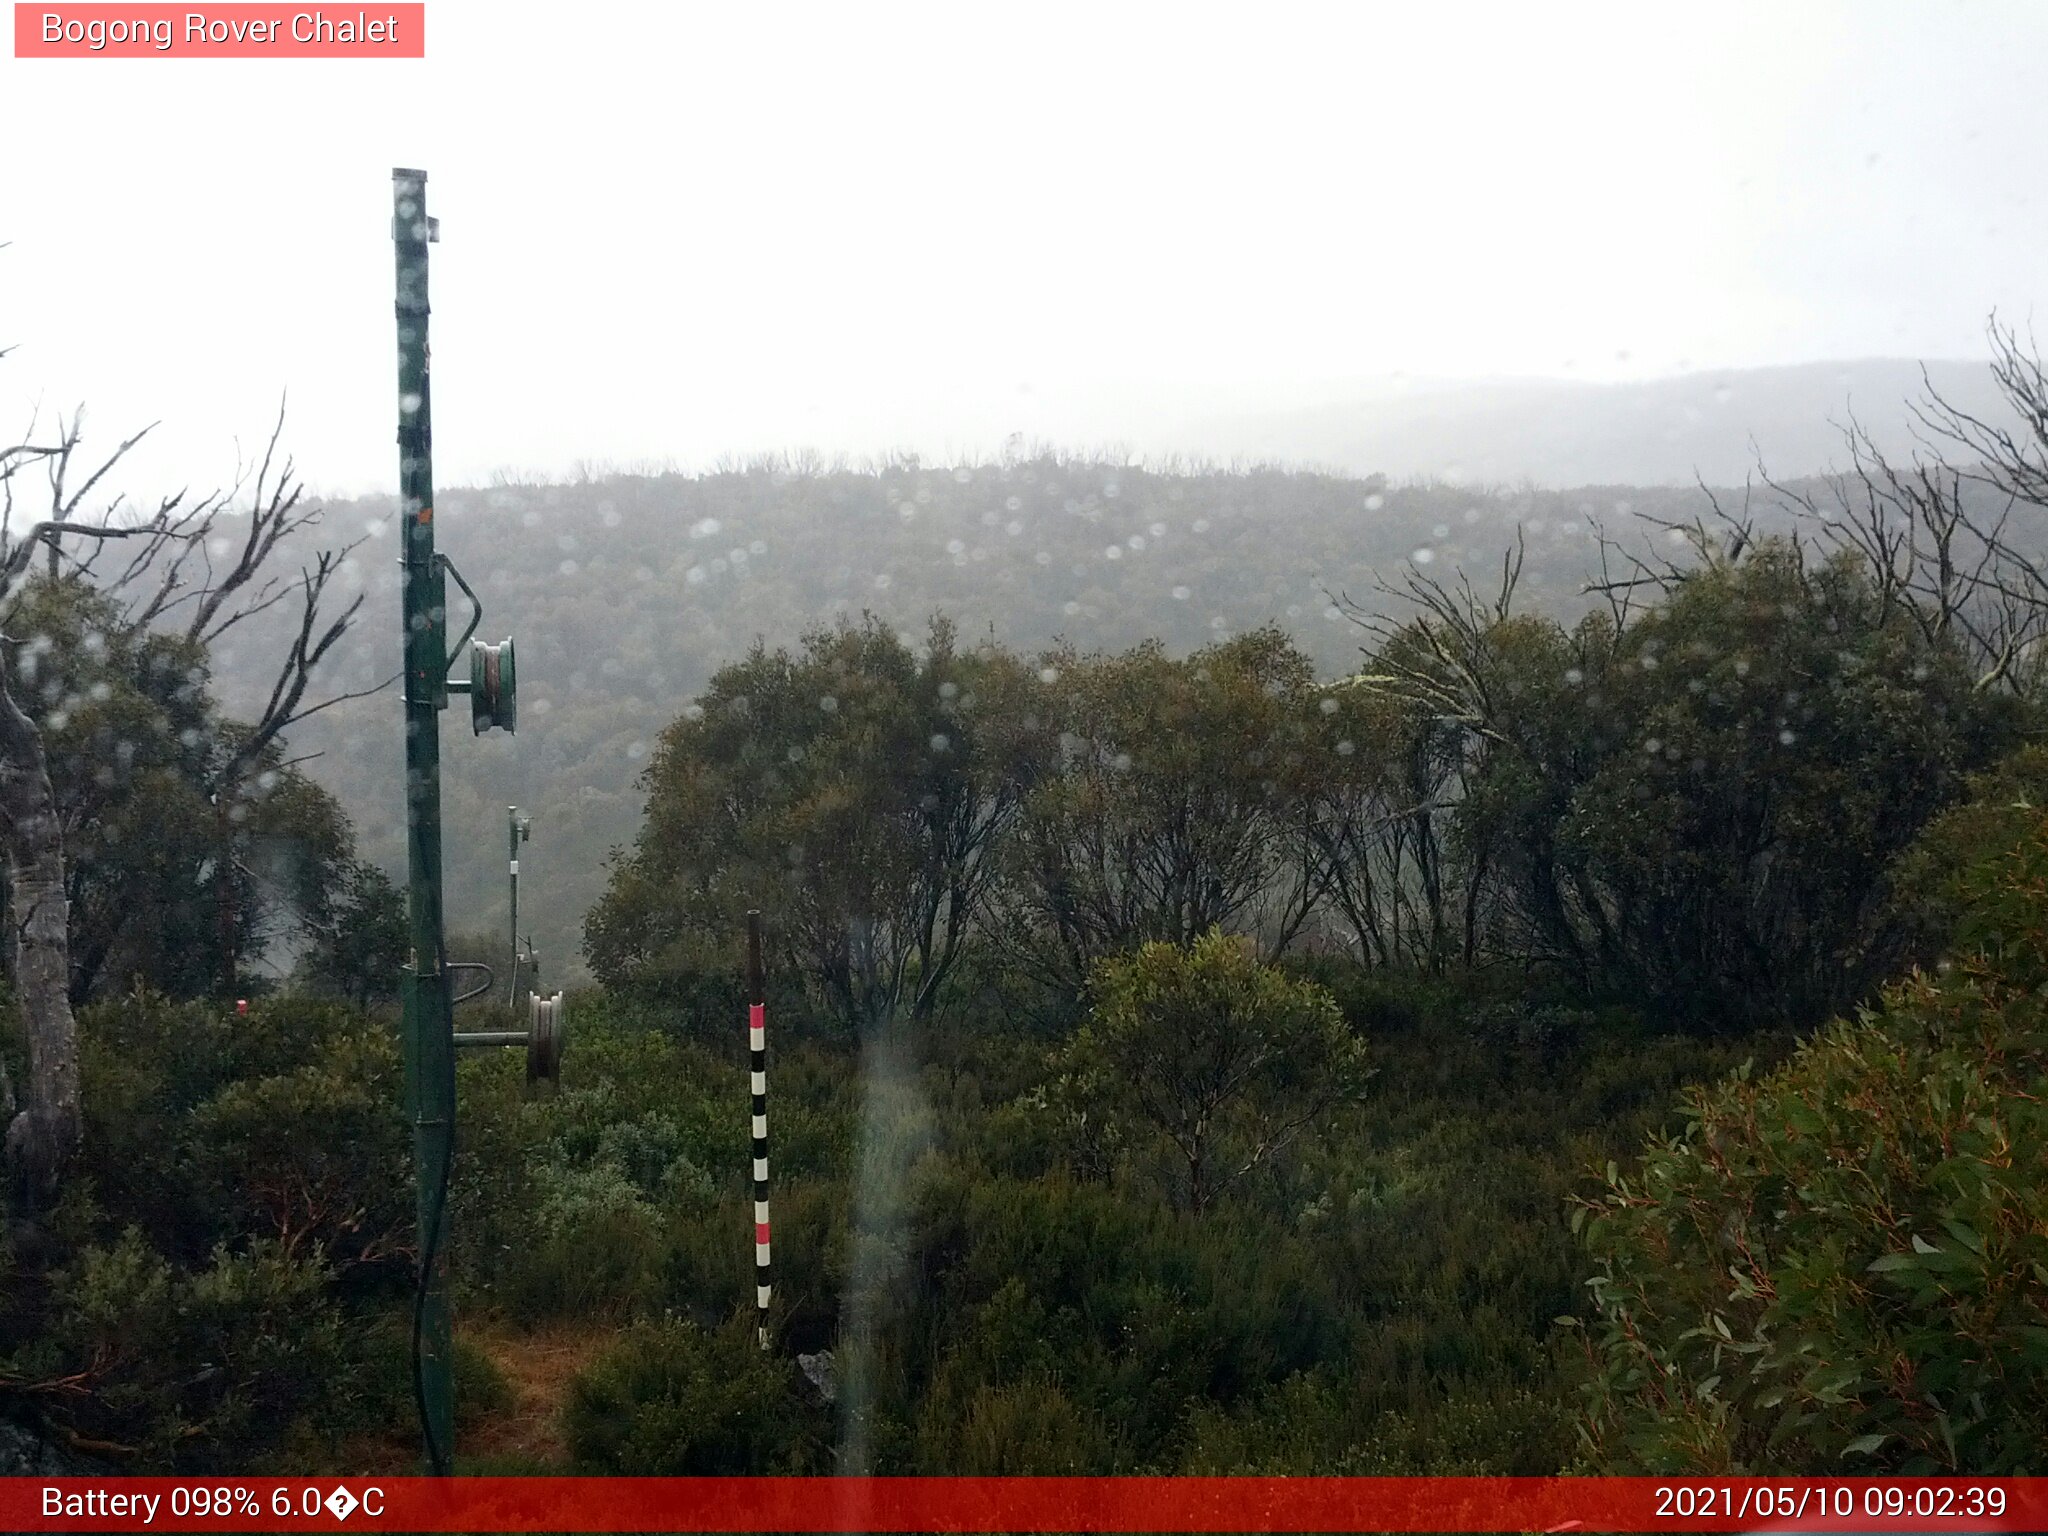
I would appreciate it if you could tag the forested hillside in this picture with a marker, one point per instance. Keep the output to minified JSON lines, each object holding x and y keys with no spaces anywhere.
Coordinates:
{"x":625,"y":594}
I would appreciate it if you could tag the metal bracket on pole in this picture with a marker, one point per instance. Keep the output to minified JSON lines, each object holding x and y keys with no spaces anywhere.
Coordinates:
{"x":490,"y":980}
{"x":476,"y":617}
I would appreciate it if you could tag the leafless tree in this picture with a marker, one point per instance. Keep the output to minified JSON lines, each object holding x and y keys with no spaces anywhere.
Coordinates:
{"x":174,"y":581}
{"x":1431,"y":650}
{"x":1392,"y":869}
{"x":1936,"y":541}
{"x":1934,"y":532}
{"x":169,"y":580}
{"x":1631,"y":575}
{"x":43,"y":1134}
{"x":2011,"y":458}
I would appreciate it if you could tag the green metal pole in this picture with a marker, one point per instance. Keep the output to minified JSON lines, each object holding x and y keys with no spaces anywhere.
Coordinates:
{"x":427,"y":1008}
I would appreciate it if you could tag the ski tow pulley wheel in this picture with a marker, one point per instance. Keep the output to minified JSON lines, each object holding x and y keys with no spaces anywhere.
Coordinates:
{"x":546,"y":1024}
{"x":493,"y":692}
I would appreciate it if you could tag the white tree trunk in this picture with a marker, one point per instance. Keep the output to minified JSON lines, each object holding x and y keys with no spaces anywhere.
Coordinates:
{"x":44,"y":1135}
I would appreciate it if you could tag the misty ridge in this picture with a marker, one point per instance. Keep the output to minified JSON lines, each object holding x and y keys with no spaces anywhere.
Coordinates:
{"x":1713,"y":426}
{"x":626,"y":589}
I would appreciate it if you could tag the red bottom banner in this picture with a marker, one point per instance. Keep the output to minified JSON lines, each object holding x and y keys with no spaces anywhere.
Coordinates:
{"x":1094,"y":1504}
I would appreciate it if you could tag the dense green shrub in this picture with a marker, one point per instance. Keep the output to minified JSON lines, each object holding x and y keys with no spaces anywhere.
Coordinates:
{"x":312,"y":1156}
{"x":1310,"y":1426}
{"x":1131,"y":1310}
{"x":627,"y":1193}
{"x":1929,"y":886}
{"x":1379,"y":1300}
{"x":672,"y":1399}
{"x":1024,"y":1428}
{"x":191,"y":1368}
{"x":1843,"y":1265}
{"x":1204,"y":1063}
{"x":242,"y":1215}
{"x":206,"y":1126}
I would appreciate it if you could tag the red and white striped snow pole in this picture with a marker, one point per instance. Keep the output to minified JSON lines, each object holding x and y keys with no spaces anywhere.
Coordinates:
{"x":757,"y":1053}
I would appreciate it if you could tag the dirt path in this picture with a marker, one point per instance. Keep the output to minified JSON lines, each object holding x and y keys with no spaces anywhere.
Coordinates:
{"x":538,"y":1366}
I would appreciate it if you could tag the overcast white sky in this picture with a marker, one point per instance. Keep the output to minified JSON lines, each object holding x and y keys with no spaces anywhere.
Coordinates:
{"x":686,"y":230}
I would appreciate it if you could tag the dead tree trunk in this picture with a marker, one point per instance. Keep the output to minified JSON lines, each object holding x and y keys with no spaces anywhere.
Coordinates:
{"x":45,"y":1133}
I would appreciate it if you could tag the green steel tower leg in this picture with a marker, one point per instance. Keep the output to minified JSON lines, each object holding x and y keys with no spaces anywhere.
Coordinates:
{"x":428,"y":1011}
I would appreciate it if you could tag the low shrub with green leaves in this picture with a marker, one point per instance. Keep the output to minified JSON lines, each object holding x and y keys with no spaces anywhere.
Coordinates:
{"x":211,"y":1285}
{"x":674,"y":1400}
{"x":1842,"y":1265}
{"x":1203,"y":1062}
{"x":182,"y":1363}
{"x":206,"y":1126}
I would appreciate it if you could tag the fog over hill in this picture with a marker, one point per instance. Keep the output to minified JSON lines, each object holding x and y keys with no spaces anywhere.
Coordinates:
{"x":627,"y":591}
{"x":1557,"y":432}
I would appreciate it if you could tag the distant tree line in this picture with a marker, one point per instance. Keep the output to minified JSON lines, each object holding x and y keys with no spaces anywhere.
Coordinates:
{"x":1691,"y":796}
{"x":1693,"y":802}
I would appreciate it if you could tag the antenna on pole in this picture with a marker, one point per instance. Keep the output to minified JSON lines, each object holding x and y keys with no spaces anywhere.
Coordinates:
{"x":757,"y":1053}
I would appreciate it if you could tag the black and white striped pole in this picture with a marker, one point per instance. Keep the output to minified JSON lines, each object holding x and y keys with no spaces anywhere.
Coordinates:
{"x":757,"y":1060}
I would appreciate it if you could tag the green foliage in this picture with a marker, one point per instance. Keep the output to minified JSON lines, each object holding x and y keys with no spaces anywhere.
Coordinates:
{"x":1134,"y":1311}
{"x":675,"y":1400}
{"x":359,"y":942}
{"x":1701,"y":807}
{"x":1164,"y":802}
{"x":626,"y":1194}
{"x":1931,"y":884}
{"x":192,"y":1368}
{"x":1307,"y":1427}
{"x":205,"y":1126}
{"x":1041,"y":1320}
{"x":599,"y":1221}
{"x":1206,"y":1058}
{"x":1788,"y":737}
{"x":1696,"y":805}
{"x":1046,"y":888}
{"x":1040,"y":1315}
{"x":313,"y":1156}
{"x":244,"y":1195}
{"x":855,"y":791}
{"x":1027,"y":1428}
{"x":1841,"y":1266}
{"x":171,"y":868}
{"x":1016,"y":551}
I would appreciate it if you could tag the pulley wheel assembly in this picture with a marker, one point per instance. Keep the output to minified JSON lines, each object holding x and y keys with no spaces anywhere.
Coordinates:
{"x":547,"y":1023}
{"x":493,"y":692}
